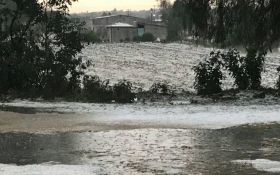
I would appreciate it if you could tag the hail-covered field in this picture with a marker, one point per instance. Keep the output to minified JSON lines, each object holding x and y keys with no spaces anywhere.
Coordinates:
{"x":146,"y":63}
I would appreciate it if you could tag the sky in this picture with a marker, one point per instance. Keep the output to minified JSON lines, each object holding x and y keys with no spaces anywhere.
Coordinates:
{"x":108,"y":5}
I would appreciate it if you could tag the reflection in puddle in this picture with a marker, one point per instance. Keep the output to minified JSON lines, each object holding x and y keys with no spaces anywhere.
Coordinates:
{"x":148,"y":151}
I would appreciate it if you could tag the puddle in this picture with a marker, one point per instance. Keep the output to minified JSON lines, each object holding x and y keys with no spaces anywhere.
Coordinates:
{"x":20,"y":110}
{"x":262,"y":164}
{"x":143,"y":151}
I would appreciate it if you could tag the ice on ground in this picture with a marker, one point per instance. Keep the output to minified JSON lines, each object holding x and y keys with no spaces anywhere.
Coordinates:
{"x":146,"y":63}
{"x":185,"y":116}
{"x":262,"y":164}
{"x":48,"y":169}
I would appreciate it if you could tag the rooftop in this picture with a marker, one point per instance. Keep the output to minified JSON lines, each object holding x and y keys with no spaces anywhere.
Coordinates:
{"x":120,"y":24}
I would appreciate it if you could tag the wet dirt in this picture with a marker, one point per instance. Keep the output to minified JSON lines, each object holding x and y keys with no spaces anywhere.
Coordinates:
{"x":147,"y":151}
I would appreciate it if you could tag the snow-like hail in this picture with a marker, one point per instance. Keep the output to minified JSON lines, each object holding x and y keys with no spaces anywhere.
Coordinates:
{"x":146,"y":63}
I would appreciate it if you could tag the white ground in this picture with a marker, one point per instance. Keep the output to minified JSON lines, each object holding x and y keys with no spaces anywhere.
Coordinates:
{"x":262,"y":164}
{"x":142,"y":64}
{"x":143,"y":116}
{"x":146,"y":63}
{"x":47,"y":169}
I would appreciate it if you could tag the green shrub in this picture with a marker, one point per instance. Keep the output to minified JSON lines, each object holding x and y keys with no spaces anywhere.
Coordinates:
{"x":136,"y":38}
{"x":209,"y":75}
{"x":278,"y":81}
{"x":123,"y":92}
{"x":245,"y":70}
{"x":96,"y":90}
{"x":254,"y":66}
{"x":127,"y":39}
{"x":147,"y":37}
{"x":89,"y":37}
{"x":160,"y":88}
{"x":237,"y":68}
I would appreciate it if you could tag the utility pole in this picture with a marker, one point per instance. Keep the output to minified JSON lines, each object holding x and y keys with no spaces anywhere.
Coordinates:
{"x":151,"y":14}
{"x":154,"y":13}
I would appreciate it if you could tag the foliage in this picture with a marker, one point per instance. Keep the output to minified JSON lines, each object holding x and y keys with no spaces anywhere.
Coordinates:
{"x":246,"y":70}
{"x":147,"y":37}
{"x":96,"y":90}
{"x":254,"y":66}
{"x":237,"y":68}
{"x":99,"y":91}
{"x":123,"y":92}
{"x":39,"y":48}
{"x":136,"y":38}
{"x":89,"y":37}
{"x":160,"y":88}
{"x":209,"y":75}
{"x":278,"y":81}
{"x":127,"y":39}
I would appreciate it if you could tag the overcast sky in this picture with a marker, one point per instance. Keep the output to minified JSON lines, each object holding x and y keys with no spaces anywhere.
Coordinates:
{"x":106,"y":5}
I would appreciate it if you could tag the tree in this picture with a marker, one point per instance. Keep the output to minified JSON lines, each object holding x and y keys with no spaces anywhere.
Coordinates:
{"x":39,"y":49}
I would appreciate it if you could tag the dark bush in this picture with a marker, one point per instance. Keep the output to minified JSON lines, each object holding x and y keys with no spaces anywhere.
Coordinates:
{"x":136,"y":38}
{"x":123,"y":92}
{"x":96,"y":90}
{"x":160,"y":88}
{"x":245,"y":70}
{"x":209,"y":75}
{"x":237,"y":68}
{"x":254,"y":66}
{"x":127,"y":39}
{"x":278,"y":81}
{"x":89,"y":37}
{"x":147,"y":37}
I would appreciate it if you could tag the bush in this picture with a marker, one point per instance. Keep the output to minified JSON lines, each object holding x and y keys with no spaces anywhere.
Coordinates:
{"x":254,"y":66}
{"x":278,"y":81}
{"x":123,"y":92}
{"x":147,"y":37}
{"x":160,"y":88}
{"x":127,"y":39}
{"x":237,"y":68}
{"x":89,"y":37}
{"x":96,"y":91}
{"x":99,"y":91}
{"x":245,"y":70}
{"x":209,"y":75}
{"x":136,"y":38}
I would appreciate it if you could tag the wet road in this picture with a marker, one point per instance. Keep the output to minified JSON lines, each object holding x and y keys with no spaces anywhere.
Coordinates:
{"x":147,"y":151}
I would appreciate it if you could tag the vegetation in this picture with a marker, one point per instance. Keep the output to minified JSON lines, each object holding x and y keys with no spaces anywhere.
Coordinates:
{"x":246,"y":71}
{"x":228,"y":23}
{"x":123,"y":92}
{"x":89,"y":37}
{"x":209,"y":75}
{"x":146,"y":37}
{"x":162,"y":88}
{"x":39,"y":49}
{"x":136,"y":38}
{"x":99,"y":91}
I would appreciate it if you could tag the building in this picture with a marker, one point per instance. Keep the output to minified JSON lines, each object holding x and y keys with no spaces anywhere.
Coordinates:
{"x":121,"y":27}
